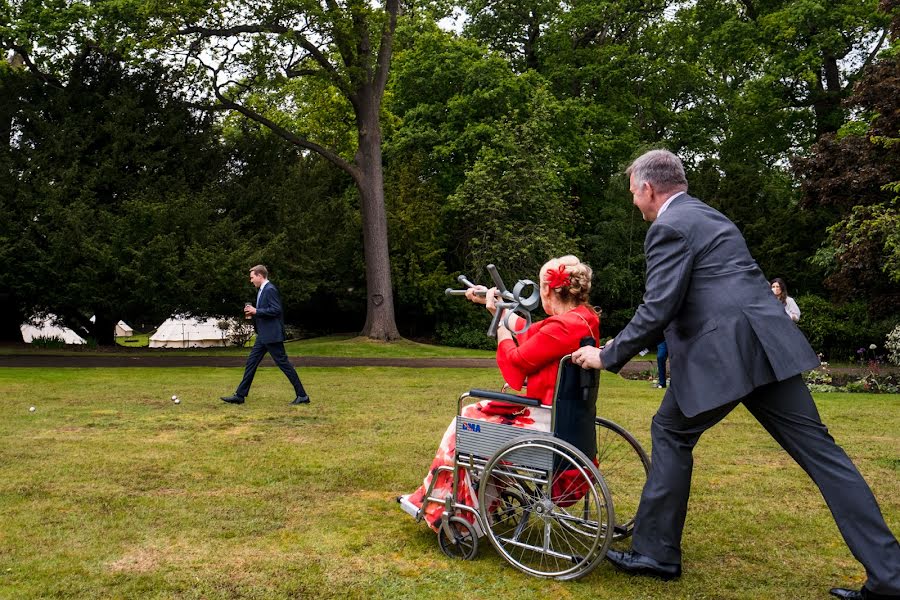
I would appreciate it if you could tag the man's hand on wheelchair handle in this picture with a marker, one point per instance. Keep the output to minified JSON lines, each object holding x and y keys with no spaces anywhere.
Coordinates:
{"x":587,"y":357}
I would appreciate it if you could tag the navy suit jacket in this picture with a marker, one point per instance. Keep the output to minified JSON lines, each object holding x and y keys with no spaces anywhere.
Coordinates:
{"x":727,"y":332}
{"x":269,"y":318}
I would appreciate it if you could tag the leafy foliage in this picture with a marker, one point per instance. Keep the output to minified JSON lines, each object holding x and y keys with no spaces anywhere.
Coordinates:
{"x":838,"y":329}
{"x":856,"y":176}
{"x":107,"y":176}
{"x":892,"y":345}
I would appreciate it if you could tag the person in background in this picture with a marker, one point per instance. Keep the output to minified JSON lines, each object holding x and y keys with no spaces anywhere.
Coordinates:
{"x":779,"y":288}
{"x":268,"y":319}
{"x":662,"y":355}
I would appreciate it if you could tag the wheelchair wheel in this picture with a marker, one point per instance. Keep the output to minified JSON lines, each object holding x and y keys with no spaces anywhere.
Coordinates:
{"x":464,"y":544}
{"x":548,"y":509}
{"x":624,"y":466}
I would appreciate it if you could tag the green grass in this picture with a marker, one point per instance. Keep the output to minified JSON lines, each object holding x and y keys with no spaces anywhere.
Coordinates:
{"x":361,"y":347}
{"x":138,"y":340}
{"x":347,"y":345}
{"x":109,"y":490}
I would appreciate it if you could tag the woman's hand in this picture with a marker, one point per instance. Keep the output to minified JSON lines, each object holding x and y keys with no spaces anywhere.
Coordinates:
{"x":488,"y":297}
{"x":470,"y":294}
{"x":491,"y":299}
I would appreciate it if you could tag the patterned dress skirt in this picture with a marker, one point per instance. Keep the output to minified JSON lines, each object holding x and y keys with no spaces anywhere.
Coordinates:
{"x":528,"y":418}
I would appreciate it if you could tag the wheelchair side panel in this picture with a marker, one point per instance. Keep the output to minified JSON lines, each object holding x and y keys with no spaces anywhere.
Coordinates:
{"x":483,"y":439}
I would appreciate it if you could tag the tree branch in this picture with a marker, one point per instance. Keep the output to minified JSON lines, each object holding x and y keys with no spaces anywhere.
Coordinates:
{"x":875,"y":51}
{"x":293,"y":138}
{"x":343,"y":46}
{"x":386,"y":47}
{"x":29,"y":64}
{"x":327,"y":68}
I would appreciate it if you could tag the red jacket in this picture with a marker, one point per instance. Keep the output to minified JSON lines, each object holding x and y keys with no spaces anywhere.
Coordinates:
{"x":540,"y":348}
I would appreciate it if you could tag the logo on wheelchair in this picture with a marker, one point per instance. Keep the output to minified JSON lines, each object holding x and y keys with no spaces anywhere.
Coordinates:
{"x":471,"y":427}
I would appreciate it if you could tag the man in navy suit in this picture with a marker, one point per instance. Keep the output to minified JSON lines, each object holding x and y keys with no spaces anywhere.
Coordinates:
{"x":730,"y":342}
{"x":269,"y":323}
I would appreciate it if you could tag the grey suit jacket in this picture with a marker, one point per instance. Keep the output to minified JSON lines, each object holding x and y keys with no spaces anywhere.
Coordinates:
{"x":727,"y":333}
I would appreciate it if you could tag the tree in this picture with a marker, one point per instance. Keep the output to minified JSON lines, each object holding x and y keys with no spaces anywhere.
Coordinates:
{"x":512,"y":208}
{"x":274,"y":64}
{"x":106,"y":175}
{"x":853,"y":174}
{"x":479,"y":159}
{"x":513,"y":29}
{"x":264,"y":62}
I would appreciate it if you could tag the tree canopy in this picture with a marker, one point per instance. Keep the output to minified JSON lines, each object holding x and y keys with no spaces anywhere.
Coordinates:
{"x":368,"y":156}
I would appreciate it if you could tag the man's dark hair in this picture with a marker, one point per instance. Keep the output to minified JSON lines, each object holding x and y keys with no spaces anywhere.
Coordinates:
{"x":260,"y":270}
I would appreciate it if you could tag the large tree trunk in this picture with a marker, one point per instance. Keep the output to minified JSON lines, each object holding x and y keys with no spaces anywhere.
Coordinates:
{"x":380,"y":321}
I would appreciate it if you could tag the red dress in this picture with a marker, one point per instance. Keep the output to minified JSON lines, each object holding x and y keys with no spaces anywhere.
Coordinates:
{"x":536,"y":358}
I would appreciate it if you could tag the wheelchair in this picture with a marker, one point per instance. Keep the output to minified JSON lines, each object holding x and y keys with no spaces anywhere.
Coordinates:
{"x":545,"y":500}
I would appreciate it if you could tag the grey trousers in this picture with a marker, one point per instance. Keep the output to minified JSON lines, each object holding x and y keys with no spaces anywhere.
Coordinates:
{"x":787,"y":411}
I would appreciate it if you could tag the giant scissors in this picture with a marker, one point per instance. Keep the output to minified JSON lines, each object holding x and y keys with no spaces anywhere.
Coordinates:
{"x":513,"y":302}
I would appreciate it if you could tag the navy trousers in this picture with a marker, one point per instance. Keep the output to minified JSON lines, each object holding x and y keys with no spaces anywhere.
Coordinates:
{"x":257,"y":353}
{"x":787,"y":411}
{"x":662,"y":354}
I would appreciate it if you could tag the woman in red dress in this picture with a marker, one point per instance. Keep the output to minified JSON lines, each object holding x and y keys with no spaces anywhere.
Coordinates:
{"x":565,"y":285}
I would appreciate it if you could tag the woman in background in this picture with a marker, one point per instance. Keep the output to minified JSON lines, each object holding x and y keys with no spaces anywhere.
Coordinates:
{"x":790,"y":307}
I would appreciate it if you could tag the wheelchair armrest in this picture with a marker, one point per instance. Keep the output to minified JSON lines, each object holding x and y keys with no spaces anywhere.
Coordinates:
{"x":491,"y":395}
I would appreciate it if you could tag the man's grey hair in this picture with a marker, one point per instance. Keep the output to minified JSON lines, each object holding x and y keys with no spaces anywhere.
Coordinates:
{"x":660,"y":168}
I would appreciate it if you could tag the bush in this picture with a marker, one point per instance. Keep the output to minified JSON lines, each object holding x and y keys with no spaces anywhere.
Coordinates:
{"x":892,"y":345}
{"x":237,"y":331}
{"x":837,"y":330}
{"x":465,"y":335}
{"x":50,"y":342}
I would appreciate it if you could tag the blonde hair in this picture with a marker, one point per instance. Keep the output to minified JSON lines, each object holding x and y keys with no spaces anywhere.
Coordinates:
{"x":580,"y":274}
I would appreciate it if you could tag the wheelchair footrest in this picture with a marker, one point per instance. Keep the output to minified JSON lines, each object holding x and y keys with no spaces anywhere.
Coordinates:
{"x":408,"y":507}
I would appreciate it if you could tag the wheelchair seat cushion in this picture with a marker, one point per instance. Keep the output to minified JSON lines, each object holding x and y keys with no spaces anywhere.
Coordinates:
{"x":505,"y":409}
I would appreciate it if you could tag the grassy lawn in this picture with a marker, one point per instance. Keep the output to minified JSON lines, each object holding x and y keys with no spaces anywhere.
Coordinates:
{"x":138,"y":340}
{"x":109,"y":490}
{"x":347,"y":345}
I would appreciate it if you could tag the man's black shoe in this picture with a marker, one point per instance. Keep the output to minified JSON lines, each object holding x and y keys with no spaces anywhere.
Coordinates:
{"x":635,"y":563}
{"x":861,"y":594}
{"x":233,"y":399}
{"x":301,"y":400}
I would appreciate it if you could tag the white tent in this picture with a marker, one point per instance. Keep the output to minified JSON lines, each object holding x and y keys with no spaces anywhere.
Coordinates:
{"x":123,"y":329}
{"x":45,"y":328}
{"x":184,"y":332}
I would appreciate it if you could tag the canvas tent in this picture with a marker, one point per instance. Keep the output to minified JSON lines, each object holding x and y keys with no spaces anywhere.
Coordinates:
{"x":45,"y":328}
{"x":123,"y":329}
{"x":185,"y":332}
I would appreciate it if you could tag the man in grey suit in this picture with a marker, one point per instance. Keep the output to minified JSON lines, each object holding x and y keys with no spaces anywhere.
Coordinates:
{"x":269,"y":322}
{"x":730,"y":342}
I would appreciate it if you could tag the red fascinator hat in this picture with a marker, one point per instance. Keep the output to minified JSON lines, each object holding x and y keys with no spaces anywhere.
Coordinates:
{"x":558,"y":278}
